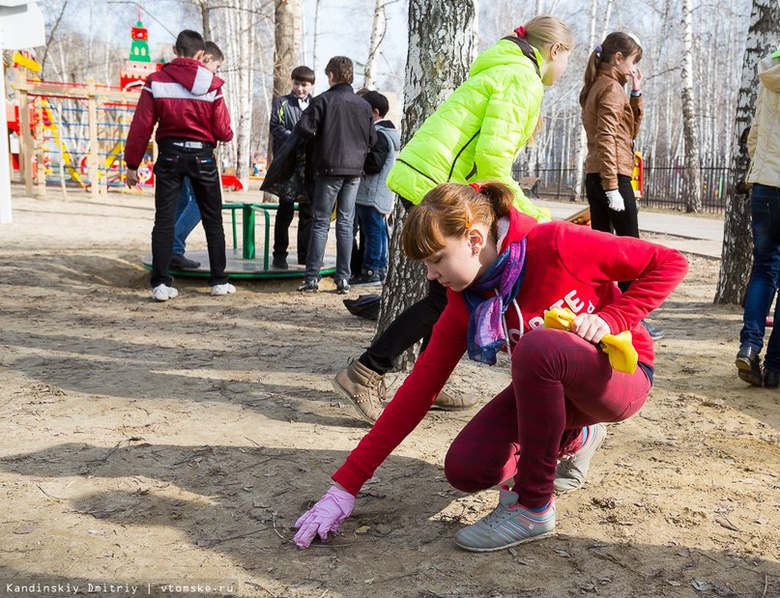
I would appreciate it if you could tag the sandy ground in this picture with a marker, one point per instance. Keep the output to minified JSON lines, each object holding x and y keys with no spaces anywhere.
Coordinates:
{"x":146,"y":445}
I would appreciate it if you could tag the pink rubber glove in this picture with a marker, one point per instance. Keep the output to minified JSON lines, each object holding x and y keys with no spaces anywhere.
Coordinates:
{"x":325,"y":517}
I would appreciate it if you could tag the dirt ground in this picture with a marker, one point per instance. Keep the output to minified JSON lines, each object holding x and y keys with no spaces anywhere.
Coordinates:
{"x":148,"y":445}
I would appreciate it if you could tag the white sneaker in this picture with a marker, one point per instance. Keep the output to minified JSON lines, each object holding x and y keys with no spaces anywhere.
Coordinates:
{"x":162,"y":292}
{"x":223,"y":289}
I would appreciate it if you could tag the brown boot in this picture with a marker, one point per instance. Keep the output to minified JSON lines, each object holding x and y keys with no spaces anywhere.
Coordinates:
{"x":448,"y":402}
{"x":364,"y":388}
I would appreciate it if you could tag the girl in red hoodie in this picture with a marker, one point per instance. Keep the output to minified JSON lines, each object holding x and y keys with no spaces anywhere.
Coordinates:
{"x":502,"y":272}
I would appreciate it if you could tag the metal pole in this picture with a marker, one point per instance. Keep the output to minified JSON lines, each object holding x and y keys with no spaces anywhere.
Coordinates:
{"x":5,"y":156}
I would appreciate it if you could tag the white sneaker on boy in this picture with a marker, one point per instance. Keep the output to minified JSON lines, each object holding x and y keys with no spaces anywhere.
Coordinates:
{"x":162,"y":292}
{"x":223,"y":289}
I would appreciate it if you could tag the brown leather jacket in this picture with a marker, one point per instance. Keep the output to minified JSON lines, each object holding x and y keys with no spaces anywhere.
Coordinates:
{"x":611,"y":122}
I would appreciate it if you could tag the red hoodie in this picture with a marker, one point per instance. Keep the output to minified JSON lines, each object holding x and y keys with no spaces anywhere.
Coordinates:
{"x":566,"y":266}
{"x":186,"y":99}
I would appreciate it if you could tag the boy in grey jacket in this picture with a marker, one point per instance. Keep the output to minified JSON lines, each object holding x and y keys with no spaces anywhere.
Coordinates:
{"x":374,"y":200}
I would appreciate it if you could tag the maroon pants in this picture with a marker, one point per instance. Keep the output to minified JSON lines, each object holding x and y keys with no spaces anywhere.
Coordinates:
{"x":560,"y":383}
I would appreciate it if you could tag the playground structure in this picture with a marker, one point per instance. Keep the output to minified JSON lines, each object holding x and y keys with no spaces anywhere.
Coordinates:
{"x":72,"y":134}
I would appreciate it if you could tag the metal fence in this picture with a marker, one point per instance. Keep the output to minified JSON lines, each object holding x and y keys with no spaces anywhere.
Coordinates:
{"x":663,"y":185}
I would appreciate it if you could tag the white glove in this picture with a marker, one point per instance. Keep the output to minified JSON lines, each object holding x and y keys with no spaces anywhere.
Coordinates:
{"x":615,"y":201}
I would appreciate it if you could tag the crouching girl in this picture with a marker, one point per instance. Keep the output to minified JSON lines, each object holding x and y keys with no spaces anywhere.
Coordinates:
{"x":502,"y":272}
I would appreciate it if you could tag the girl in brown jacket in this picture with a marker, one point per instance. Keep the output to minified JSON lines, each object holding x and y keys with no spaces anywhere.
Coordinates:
{"x":611,"y":120}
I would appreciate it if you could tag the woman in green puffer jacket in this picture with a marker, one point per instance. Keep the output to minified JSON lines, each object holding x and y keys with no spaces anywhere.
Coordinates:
{"x":477,"y":133}
{"x":474,"y":136}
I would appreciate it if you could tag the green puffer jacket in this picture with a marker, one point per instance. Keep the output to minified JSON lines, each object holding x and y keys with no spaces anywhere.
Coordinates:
{"x":476,"y":134}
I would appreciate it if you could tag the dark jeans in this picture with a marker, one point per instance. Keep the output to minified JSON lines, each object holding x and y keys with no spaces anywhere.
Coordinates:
{"x":623,"y":224}
{"x":765,"y":214}
{"x":414,"y":324}
{"x":284,"y":216}
{"x":173,"y":164}
{"x":187,"y":217}
{"x":374,"y":229}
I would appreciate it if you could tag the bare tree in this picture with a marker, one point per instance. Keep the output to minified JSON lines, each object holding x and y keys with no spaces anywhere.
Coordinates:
{"x":692,"y":187}
{"x":377,"y":34}
{"x":736,"y":257}
{"x":53,"y":34}
{"x":582,"y":140}
{"x":288,"y":37}
{"x":205,"y":17}
{"x":440,"y":50}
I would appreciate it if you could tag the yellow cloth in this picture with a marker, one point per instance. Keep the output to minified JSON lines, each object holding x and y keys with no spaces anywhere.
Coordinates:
{"x":618,"y":347}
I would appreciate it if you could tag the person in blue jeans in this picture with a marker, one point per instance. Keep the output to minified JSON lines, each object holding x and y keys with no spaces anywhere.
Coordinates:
{"x":187,"y":212}
{"x":339,"y":126}
{"x":374,"y":200}
{"x":764,"y":175}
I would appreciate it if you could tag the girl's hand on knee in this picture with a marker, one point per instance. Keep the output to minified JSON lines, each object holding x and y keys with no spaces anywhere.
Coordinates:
{"x":590,"y":327}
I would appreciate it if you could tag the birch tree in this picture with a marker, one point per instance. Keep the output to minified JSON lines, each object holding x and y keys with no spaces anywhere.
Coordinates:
{"x":288,"y":36}
{"x":237,"y":31}
{"x":582,"y":140}
{"x":692,"y":159}
{"x":377,"y":35}
{"x":440,"y":50}
{"x":736,"y":257}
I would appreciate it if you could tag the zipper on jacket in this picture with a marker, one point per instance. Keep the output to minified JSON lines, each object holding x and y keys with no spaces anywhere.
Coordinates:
{"x":463,"y":149}
{"x":417,"y":170}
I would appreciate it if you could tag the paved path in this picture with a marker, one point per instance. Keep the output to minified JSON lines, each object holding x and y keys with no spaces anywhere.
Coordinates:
{"x":700,"y":235}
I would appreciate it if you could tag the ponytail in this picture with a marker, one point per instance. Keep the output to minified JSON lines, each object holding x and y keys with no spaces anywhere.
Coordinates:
{"x":591,"y":70}
{"x":450,"y":210}
{"x":544,"y":30}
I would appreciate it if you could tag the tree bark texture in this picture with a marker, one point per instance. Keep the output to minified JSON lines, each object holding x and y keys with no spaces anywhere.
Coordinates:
{"x":288,"y":38}
{"x":736,"y":258}
{"x":692,"y":188}
{"x":377,"y":35}
{"x":440,"y":50}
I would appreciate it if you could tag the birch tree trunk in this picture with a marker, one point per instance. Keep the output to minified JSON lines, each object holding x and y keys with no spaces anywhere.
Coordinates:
{"x":582,"y":139}
{"x":440,"y":50}
{"x":246,"y":20}
{"x":377,"y":35}
{"x":736,"y":257}
{"x":288,"y":36}
{"x":691,"y":157}
{"x":205,"y":17}
{"x":607,"y":17}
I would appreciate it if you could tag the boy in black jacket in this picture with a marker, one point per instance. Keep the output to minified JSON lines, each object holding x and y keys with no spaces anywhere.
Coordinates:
{"x":285,"y":114}
{"x":339,"y":125}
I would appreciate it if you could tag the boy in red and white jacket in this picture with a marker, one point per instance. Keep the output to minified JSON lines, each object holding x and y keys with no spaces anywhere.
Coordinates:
{"x":185,"y":101}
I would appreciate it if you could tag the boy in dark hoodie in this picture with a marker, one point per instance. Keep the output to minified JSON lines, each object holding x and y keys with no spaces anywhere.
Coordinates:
{"x":185,"y":101}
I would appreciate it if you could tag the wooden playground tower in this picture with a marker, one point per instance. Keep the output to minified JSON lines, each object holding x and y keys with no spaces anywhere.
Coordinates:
{"x":108,"y":111}
{"x":81,"y":126}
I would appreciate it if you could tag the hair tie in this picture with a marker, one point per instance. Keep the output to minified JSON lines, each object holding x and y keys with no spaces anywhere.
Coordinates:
{"x":477,"y":187}
{"x":520,"y":32}
{"x":598,"y":50}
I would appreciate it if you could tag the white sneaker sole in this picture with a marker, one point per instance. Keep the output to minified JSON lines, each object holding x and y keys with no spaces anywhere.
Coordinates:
{"x":505,"y":546}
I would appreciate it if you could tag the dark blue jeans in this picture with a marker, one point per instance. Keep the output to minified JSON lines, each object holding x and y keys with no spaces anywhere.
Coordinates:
{"x":372,"y":223}
{"x":765,"y":213}
{"x":187,"y":217}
